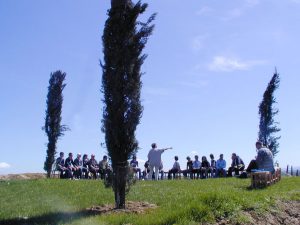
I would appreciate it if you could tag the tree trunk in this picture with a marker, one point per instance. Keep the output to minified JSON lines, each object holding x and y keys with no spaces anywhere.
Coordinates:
{"x":119,"y":184}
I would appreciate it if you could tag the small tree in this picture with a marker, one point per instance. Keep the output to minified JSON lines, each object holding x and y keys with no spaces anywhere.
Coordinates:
{"x":267,"y":125}
{"x":123,"y":42}
{"x":52,"y":127}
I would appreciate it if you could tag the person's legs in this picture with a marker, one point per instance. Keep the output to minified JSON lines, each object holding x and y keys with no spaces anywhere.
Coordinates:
{"x":230,"y":170}
{"x":252,"y":165}
{"x":150,"y":173}
{"x":169,"y":174}
{"x":156,"y":172}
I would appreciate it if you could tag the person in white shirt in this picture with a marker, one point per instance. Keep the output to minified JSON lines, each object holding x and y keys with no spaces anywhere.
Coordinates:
{"x":154,"y":158}
{"x":175,"y":169}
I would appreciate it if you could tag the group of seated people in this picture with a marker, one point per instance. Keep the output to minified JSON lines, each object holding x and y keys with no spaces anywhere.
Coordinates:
{"x":86,"y":168}
{"x":196,"y":169}
{"x":82,"y":168}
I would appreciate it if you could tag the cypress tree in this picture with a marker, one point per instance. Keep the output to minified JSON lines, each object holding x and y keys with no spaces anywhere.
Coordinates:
{"x":124,"y":39}
{"x":52,"y":127}
{"x":267,"y":112}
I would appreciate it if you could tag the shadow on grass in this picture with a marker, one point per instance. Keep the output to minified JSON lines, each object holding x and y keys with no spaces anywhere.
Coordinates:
{"x":50,"y":218}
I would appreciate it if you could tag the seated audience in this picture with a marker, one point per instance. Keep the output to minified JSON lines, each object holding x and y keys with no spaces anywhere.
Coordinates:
{"x":135,"y":166}
{"x":69,"y":164}
{"x":237,"y":165}
{"x":146,"y":170}
{"x":196,"y":167}
{"x":212,"y":169}
{"x":78,"y":166}
{"x":264,"y":159}
{"x":85,"y":166}
{"x":60,"y":165}
{"x":204,"y":167}
{"x":93,"y":166}
{"x":221,"y":166}
{"x":189,"y":167}
{"x":104,"y":169}
{"x":175,"y":169}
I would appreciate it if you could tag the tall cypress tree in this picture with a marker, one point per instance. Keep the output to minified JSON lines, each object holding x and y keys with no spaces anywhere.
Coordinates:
{"x":267,"y":112}
{"x":124,"y":39}
{"x":52,"y":127}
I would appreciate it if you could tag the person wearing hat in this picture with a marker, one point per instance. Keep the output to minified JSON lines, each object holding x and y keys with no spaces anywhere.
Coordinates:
{"x":264,"y":159}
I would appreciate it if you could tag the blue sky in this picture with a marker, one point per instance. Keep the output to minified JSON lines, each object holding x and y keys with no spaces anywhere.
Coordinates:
{"x":208,"y":65}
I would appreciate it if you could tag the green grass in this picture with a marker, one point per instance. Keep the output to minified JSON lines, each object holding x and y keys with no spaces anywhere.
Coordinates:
{"x":180,"y":201}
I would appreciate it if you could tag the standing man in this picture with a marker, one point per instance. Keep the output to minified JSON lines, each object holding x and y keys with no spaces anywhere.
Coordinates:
{"x":154,"y":158}
{"x":264,"y":159}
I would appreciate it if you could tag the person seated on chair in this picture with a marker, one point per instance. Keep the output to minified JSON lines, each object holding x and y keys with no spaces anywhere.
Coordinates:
{"x":175,"y":169}
{"x":212,"y":169}
{"x":60,"y":165}
{"x":204,"y":167}
{"x":189,"y":167}
{"x":103,"y":167}
{"x":237,"y":165}
{"x":264,"y":159}
{"x":135,"y":166}
{"x":85,"y":166}
{"x":196,"y":167}
{"x":78,"y":166}
{"x":69,"y":164}
{"x":146,"y":170}
{"x":221,"y":166}
{"x":93,"y":166}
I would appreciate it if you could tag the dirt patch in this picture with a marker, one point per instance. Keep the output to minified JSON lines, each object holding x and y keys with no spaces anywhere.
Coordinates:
{"x":131,"y":207}
{"x":285,"y":212}
{"x":23,"y":176}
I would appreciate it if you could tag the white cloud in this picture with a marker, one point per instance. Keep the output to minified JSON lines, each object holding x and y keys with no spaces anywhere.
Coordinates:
{"x":198,"y":42}
{"x":204,"y":11}
{"x":4,"y":165}
{"x":239,"y":11}
{"x":226,"y":64}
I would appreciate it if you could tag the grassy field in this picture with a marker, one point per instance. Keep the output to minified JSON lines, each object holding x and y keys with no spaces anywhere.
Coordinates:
{"x":57,"y":201}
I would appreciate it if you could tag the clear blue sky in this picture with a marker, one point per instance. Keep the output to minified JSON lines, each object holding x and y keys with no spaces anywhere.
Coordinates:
{"x":208,"y":65}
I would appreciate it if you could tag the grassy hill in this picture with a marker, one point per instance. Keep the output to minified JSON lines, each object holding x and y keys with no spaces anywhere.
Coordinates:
{"x":211,"y":201}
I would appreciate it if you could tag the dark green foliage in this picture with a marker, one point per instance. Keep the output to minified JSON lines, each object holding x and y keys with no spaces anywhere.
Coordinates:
{"x":267,"y":125}
{"x":124,"y":39}
{"x":52,"y":127}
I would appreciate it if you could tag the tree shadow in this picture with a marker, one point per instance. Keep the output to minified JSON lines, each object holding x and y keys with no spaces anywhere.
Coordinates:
{"x":50,"y":218}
